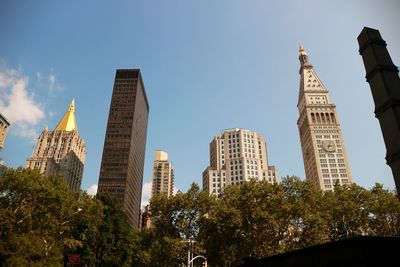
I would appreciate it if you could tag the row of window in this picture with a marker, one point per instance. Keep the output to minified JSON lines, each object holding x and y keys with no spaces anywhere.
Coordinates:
{"x":333,"y":161}
{"x":326,"y":175}
{"x":323,"y":117}
{"x":338,"y":155}
{"x":233,"y":135}
{"x":333,"y":170}
{"x":327,"y":136}
{"x":238,"y":146}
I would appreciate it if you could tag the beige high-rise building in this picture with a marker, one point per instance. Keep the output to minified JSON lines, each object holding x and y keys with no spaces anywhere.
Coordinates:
{"x":163,"y":175}
{"x":324,"y":153}
{"x":61,"y":151}
{"x":4,"y":124}
{"x":236,"y":156}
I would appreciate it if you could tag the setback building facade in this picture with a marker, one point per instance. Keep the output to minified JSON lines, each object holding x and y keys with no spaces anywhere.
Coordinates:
{"x":61,"y":151}
{"x":163,"y":175}
{"x":236,"y":156}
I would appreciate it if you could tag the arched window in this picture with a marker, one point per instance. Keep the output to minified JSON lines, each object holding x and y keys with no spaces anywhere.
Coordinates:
{"x":328,"y":120}
{"x":333,"y":118}
{"x":313,"y":117}
{"x":318,"y":118}
{"x":323,"y":117}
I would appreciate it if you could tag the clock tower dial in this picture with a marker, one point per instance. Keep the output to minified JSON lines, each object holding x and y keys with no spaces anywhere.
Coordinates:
{"x":324,"y":153}
{"x":328,"y":146}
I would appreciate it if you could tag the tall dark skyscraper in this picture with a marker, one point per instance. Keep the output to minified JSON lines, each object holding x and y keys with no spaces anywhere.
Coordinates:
{"x":121,"y":170}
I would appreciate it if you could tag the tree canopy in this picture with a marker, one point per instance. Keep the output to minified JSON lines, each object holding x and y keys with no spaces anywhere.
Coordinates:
{"x":42,"y":219}
{"x":37,"y":216}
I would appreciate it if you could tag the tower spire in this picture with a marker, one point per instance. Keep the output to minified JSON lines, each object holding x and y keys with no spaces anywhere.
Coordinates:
{"x":68,"y":122}
{"x":320,"y":134}
{"x":309,"y":80}
{"x":72,"y":105}
{"x":303,"y":57}
{"x":301,"y":49}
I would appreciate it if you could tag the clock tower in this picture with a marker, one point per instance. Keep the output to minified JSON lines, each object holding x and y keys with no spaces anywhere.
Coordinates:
{"x":322,"y":144}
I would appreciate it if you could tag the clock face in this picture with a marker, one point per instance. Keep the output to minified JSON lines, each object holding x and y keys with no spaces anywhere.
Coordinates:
{"x":328,"y":145}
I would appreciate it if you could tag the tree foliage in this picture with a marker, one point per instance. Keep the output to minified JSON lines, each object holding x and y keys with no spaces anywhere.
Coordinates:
{"x":258,"y":219}
{"x":37,"y":218}
{"x":110,"y":244}
{"x":175,"y":220}
{"x":42,"y":219}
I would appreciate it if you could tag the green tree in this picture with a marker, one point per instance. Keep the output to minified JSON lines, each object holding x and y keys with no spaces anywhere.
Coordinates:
{"x":309,"y":221}
{"x":86,"y":227}
{"x":259,"y":219}
{"x":384,"y":212}
{"x":180,"y":215}
{"x":174,"y":220}
{"x":250,"y":220}
{"x":347,"y":211}
{"x":42,"y":219}
{"x":108,"y":242}
{"x":38,"y":218}
{"x":142,"y":242}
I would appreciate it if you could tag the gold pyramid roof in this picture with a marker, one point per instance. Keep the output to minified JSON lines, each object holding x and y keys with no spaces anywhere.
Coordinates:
{"x":68,"y":122}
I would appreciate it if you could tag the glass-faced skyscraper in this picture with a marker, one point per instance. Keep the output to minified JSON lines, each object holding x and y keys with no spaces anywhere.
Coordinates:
{"x":324,"y":153}
{"x":121,"y":170}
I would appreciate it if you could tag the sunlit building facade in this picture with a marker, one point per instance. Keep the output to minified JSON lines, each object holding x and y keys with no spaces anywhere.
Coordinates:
{"x":4,"y":125}
{"x":163,"y":175}
{"x":236,"y":156}
{"x":324,"y":153}
{"x":61,"y":151}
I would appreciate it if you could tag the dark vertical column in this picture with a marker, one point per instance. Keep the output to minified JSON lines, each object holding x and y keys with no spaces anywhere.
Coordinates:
{"x":382,"y":76}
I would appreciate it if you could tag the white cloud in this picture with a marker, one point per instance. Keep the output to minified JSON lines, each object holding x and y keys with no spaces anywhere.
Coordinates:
{"x":22,"y":107}
{"x":52,"y":82}
{"x":146,"y":193}
{"x":146,"y":190}
{"x":7,"y":76}
{"x":38,"y":76}
{"x":92,"y":190}
{"x":17,"y":104}
{"x":26,"y":131}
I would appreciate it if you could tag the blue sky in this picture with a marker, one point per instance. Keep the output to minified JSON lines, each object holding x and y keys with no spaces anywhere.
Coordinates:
{"x":207,"y":66}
